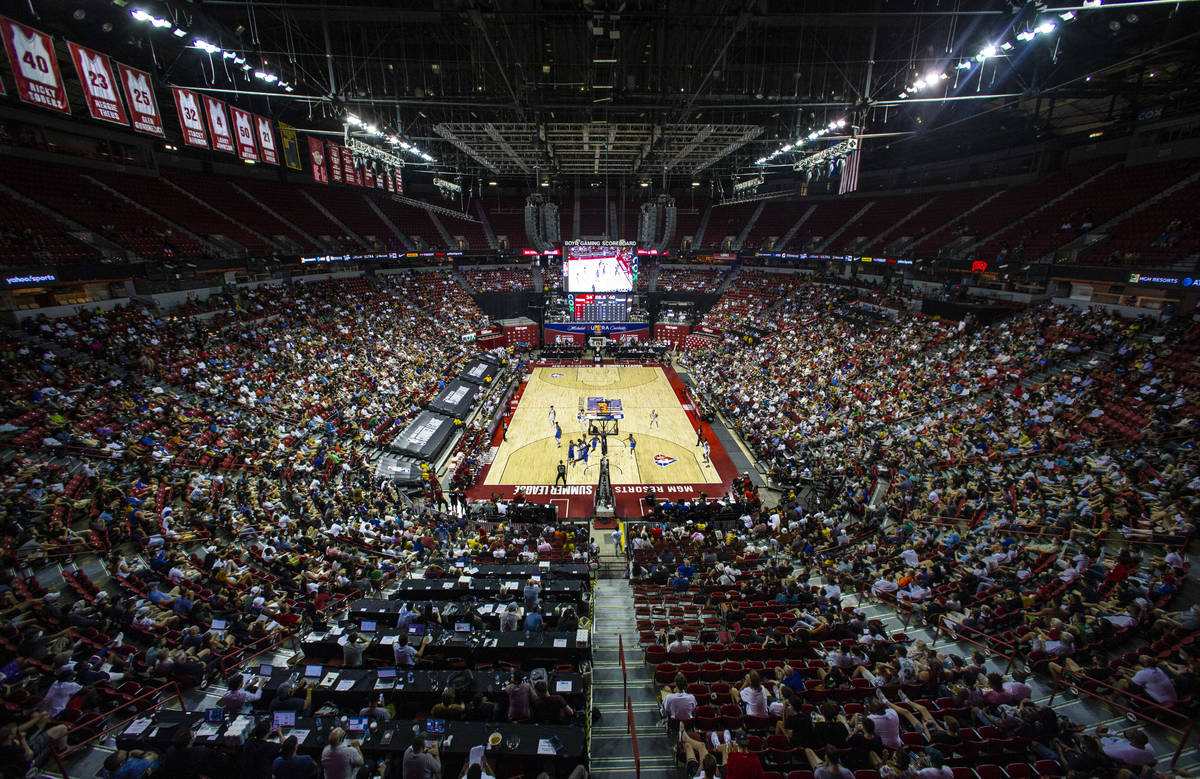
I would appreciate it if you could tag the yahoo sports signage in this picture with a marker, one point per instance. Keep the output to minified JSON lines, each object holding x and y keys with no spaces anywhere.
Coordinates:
{"x":14,"y":280}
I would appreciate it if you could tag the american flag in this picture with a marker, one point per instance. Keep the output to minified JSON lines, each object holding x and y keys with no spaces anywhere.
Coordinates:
{"x":849,"y":181}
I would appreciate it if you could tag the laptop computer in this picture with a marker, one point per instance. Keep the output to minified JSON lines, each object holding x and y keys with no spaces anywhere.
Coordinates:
{"x":368,"y":627}
{"x":435,"y":727}
{"x":215,"y":716}
{"x":462,"y":627}
{"x":385,"y":679}
{"x":284,"y":719}
{"x":266,"y":670}
{"x":312,"y":671}
{"x":219,"y":624}
{"x":356,"y":727}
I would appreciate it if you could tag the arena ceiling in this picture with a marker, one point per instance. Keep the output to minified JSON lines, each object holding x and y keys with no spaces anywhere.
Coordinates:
{"x":673,"y":89}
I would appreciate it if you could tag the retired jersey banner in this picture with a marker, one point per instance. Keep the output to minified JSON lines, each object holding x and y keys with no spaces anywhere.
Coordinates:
{"x":335,"y":160}
{"x":369,"y":177}
{"x":387,"y":179}
{"x":399,"y":182}
{"x":266,"y":139}
{"x":218,"y":124}
{"x":191,"y":122}
{"x":291,"y":146}
{"x":348,"y":170}
{"x":99,"y":86}
{"x":243,"y":133}
{"x":35,"y":69}
{"x":316,"y":157}
{"x":143,"y":108}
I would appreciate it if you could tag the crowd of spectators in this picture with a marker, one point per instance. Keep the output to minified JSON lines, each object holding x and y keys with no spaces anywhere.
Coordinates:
{"x":500,"y":279}
{"x":672,"y":278}
{"x":214,"y":463}
{"x":1024,"y":487}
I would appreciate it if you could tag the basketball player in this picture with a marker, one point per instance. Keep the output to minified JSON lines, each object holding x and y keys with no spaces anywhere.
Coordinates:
{"x":632,"y":444}
{"x":557,"y":432}
{"x":583,"y":453}
{"x":653,"y":418}
{"x":699,"y":435}
{"x":582,"y":421}
{"x":571,"y":453}
{"x":706,"y":451}
{"x":552,"y":415}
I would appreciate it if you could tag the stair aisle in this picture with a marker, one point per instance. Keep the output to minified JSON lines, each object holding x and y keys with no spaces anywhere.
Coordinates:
{"x":611,"y":742}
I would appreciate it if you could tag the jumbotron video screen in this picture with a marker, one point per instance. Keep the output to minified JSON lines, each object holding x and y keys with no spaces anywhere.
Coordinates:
{"x":601,"y":268}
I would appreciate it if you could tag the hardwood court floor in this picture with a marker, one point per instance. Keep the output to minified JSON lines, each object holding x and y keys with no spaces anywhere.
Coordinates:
{"x":529,"y":455}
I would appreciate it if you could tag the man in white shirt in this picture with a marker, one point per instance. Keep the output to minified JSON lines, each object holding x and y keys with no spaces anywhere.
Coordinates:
{"x":1154,"y":681}
{"x":680,"y":704}
{"x":1017,"y":689}
{"x":1132,"y":750}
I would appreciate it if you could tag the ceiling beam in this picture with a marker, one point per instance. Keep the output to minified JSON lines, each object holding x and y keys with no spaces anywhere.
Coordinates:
{"x":495,"y":135}
{"x":700,"y":138}
{"x":462,"y":146}
{"x":741,"y":141}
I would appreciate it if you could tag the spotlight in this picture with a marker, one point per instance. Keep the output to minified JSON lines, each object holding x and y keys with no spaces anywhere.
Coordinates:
{"x":1045,"y":28}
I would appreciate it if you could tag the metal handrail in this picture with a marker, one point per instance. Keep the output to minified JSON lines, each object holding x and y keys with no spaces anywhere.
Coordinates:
{"x":178,"y":696}
{"x":1140,"y":712}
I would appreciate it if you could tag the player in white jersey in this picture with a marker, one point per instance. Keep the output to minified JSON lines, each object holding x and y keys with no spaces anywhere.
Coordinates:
{"x":653,"y":418}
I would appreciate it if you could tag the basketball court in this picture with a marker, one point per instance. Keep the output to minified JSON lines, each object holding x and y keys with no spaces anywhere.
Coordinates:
{"x":665,"y":456}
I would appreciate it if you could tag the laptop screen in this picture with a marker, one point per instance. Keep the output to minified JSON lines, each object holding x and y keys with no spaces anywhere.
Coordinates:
{"x":312,"y":670}
{"x":462,"y":627}
{"x":266,"y":670}
{"x":460,"y":564}
{"x":368,"y":627}
{"x":436,"y":726}
{"x":356,"y":724}
{"x":214,"y":715}
{"x":416,"y":630}
{"x":285,"y":719}
{"x":219,"y":624}
{"x":386,"y":673}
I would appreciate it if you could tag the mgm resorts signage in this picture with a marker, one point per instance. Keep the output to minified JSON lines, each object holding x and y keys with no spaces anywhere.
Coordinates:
{"x":1150,"y":278}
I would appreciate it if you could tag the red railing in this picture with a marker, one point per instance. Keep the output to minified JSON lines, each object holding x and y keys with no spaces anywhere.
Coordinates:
{"x":1142,"y":703}
{"x":955,"y":634}
{"x":624,"y":672}
{"x":632,"y":730}
{"x":100,"y":734}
